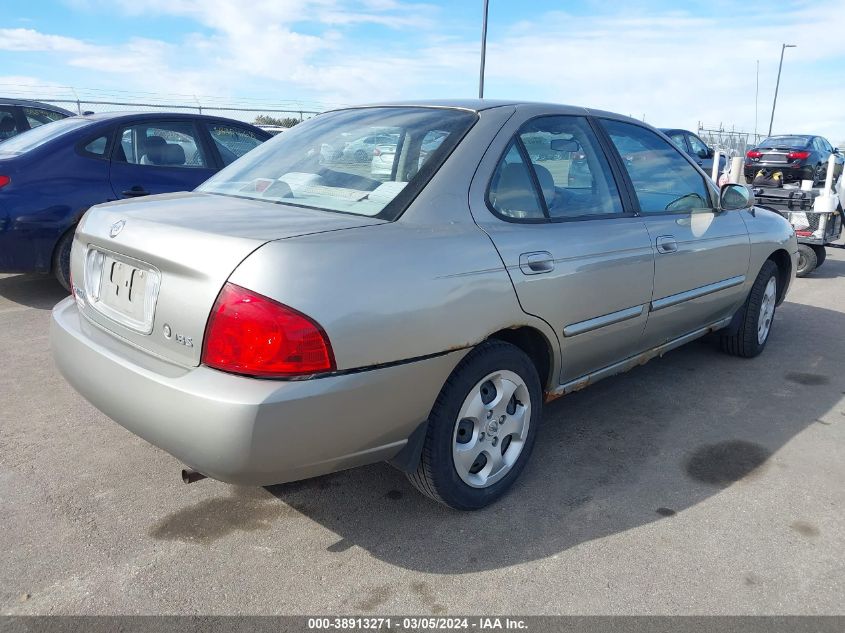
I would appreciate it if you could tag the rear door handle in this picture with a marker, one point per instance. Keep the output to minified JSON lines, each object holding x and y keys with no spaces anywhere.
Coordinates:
{"x":536,"y":262}
{"x":666,"y":244}
{"x":135,"y":192}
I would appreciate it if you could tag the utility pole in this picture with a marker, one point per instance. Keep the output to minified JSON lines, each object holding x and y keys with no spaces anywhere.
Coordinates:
{"x":483,"y":51}
{"x":777,"y":84}
{"x":756,"y":96}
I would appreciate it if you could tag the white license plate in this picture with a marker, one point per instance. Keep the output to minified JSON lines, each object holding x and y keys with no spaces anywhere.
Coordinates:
{"x":122,"y":288}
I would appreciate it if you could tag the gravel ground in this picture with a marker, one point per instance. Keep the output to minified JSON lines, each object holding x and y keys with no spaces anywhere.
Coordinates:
{"x":697,"y":484}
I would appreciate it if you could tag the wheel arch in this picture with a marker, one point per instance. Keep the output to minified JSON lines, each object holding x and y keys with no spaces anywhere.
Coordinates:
{"x":535,"y":345}
{"x":784,"y":263}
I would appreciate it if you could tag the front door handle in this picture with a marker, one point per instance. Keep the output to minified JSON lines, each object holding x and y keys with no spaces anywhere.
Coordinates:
{"x":666,"y":244}
{"x":135,"y":192}
{"x":536,"y":262}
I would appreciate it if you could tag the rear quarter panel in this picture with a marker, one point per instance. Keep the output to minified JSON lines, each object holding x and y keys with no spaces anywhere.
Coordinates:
{"x":391,"y":292}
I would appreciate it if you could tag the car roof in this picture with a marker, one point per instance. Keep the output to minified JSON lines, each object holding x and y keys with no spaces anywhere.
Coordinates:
{"x":29,"y":103}
{"x":101,"y":117}
{"x":479,"y":105}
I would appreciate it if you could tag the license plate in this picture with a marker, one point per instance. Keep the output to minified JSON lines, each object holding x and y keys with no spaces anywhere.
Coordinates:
{"x":122,"y":288}
{"x":774,"y":158}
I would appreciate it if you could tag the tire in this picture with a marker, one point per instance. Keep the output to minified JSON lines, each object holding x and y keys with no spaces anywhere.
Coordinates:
{"x":61,"y":259}
{"x":476,"y":480}
{"x":818,"y":177}
{"x":807,"y":260}
{"x":748,"y":340}
{"x":821,"y":254}
{"x":360,"y":156}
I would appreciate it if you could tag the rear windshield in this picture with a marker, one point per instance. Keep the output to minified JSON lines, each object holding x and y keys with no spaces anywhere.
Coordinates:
{"x":785,"y":141}
{"x":365,"y":161}
{"x":36,"y":137}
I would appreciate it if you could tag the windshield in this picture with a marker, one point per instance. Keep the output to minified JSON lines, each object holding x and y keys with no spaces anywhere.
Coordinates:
{"x":36,"y":137}
{"x":784,"y":141}
{"x":365,"y":161}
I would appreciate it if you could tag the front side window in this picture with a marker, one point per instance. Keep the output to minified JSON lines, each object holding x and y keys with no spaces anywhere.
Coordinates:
{"x":363,"y":161}
{"x":160,"y":144}
{"x":232,"y":142}
{"x":8,"y":126}
{"x":40,"y":116}
{"x":664,"y":181}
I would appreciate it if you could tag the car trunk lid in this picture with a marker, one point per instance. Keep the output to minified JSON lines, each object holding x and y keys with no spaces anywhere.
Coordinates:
{"x":149,"y":271}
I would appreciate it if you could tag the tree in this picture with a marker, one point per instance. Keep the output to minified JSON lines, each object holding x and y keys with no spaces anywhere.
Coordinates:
{"x":265,"y":119}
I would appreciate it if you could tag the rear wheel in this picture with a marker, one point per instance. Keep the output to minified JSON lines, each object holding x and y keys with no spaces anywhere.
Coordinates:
{"x":481,"y":429}
{"x":807,"y":260}
{"x":758,"y":314}
{"x":821,"y":254}
{"x":61,"y":259}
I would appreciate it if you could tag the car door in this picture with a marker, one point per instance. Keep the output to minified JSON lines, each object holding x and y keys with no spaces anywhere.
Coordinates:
{"x":158,"y":156}
{"x":701,"y":254}
{"x":577,"y":256}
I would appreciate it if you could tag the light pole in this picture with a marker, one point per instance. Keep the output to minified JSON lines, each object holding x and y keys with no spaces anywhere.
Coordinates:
{"x":483,"y":51}
{"x":777,"y":84}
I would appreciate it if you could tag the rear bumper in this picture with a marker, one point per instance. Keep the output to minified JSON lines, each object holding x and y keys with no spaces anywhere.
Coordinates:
{"x":243,"y":430}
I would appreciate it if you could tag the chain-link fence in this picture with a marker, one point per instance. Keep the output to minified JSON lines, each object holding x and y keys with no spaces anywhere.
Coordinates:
{"x":262,"y":111}
{"x":730,"y":142}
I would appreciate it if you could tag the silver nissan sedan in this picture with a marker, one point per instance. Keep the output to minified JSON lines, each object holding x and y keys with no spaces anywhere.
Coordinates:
{"x":297,"y":315}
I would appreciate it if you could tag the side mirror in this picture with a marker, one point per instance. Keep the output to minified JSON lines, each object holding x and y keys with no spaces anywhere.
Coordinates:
{"x":733,"y":197}
{"x":564,"y":145}
{"x":710,"y":152}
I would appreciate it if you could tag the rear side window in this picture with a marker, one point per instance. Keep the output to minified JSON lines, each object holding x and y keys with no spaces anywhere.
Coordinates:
{"x":232,"y":142}
{"x":97,"y":147}
{"x":40,"y":116}
{"x":8,"y":126}
{"x":664,"y":181}
{"x":160,"y":144}
{"x":512,"y":192}
{"x":554,"y":169}
{"x":571,"y":170}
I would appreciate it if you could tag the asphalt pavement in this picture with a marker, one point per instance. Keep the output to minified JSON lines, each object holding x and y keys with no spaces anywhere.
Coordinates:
{"x":696,"y":484}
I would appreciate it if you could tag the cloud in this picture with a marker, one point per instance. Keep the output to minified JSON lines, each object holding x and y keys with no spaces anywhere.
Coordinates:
{"x":675,"y":67}
{"x":28,"y":40}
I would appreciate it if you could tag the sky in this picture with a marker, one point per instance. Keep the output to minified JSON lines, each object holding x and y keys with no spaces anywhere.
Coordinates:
{"x":673,"y":63}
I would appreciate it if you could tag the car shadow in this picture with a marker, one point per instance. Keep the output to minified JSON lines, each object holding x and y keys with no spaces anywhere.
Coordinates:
{"x":621,"y":454}
{"x":32,"y":290}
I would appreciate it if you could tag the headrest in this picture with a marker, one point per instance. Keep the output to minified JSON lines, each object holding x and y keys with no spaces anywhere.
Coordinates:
{"x":167,"y":154}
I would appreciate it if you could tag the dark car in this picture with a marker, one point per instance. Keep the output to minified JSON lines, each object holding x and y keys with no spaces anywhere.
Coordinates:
{"x":51,"y":175}
{"x":20,"y":115}
{"x":797,"y":156}
{"x":700,"y":152}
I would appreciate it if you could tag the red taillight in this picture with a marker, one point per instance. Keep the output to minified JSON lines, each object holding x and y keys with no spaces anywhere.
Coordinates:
{"x":804,"y":233}
{"x":753,"y":153}
{"x":797,"y":155}
{"x":376,"y":152}
{"x":4,"y":180}
{"x":251,"y":334}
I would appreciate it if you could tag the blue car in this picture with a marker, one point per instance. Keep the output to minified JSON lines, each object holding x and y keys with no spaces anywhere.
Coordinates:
{"x":52,"y":174}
